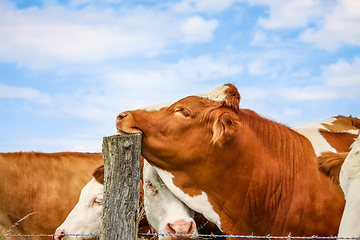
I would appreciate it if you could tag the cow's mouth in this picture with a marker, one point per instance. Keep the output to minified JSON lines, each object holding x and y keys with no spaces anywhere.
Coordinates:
{"x":130,"y":131}
{"x":121,"y":132}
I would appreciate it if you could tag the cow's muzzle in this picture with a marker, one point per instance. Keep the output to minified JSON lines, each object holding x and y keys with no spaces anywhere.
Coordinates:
{"x":125,"y":124}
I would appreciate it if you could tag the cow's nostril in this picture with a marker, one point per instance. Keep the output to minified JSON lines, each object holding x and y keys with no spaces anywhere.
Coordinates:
{"x":191,"y":228}
{"x":169,"y":229}
{"x":121,"y":116}
{"x":59,"y":234}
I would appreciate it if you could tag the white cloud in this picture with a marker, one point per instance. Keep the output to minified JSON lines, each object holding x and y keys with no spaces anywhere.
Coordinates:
{"x":205,"y":68}
{"x":89,"y":35}
{"x":130,"y":88}
{"x":202,"y":5}
{"x":325,"y":24}
{"x":261,"y":67}
{"x":254,"y":93}
{"x":273,"y":63}
{"x":342,"y":73}
{"x":24,"y":93}
{"x":44,"y":37}
{"x":76,"y":3}
{"x":291,"y":112}
{"x":160,"y":81}
{"x":260,"y":38}
{"x":197,"y":29}
{"x":308,"y":93}
{"x":339,"y":26}
{"x":201,"y":69}
{"x":289,"y":14}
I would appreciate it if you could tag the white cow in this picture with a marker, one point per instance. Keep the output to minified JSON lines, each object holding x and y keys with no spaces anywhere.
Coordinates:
{"x":350,"y":184}
{"x":165,"y":213}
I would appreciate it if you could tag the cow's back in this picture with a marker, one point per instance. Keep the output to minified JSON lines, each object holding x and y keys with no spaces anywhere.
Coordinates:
{"x":38,"y":190}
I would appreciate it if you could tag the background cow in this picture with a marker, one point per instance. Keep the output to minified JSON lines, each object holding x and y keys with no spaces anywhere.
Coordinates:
{"x":166,"y":213}
{"x":331,"y":139}
{"x":245,"y":173}
{"x":350,"y":182}
{"x":38,"y":190}
{"x":85,"y":217}
{"x":335,"y":134}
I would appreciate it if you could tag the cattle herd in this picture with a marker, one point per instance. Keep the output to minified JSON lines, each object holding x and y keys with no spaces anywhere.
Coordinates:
{"x":208,"y":167}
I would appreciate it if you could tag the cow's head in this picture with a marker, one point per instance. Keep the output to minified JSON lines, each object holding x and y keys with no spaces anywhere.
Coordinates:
{"x":166,"y":213}
{"x":210,"y":117}
{"x":85,"y":218}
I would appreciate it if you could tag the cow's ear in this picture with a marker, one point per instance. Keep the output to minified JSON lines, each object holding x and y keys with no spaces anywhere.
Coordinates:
{"x":232,"y":98}
{"x":224,"y":128}
{"x":99,"y":174}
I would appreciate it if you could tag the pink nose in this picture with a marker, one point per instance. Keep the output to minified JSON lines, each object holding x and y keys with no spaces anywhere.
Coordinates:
{"x":181,"y":227}
{"x":120,"y":117}
{"x":59,"y":232}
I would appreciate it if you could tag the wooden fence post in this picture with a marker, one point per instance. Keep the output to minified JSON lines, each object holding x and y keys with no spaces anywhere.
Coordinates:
{"x":121,"y":155}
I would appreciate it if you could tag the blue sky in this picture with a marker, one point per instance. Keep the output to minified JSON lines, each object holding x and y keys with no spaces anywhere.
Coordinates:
{"x":67,"y":68}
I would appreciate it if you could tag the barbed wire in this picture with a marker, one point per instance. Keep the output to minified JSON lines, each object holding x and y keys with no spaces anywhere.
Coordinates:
{"x":51,"y":235}
{"x":187,"y":235}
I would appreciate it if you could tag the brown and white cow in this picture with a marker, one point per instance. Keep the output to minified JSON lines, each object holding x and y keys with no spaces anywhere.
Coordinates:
{"x":84,"y":219}
{"x":247,"y":174}
{"x":344,"y":169}
{"x":166,"y":213}
{"x":335,"y":134}
{"x":331,"y":139}
{"x":38,"y":190}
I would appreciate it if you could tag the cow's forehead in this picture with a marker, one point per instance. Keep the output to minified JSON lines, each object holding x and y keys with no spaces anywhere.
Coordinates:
{"x":92,"y":189}
{"x":218,"y":94}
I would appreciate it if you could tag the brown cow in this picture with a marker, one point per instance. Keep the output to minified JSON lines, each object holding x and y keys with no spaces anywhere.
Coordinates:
{"x":38,"y":190}
{"x":246,"y":173}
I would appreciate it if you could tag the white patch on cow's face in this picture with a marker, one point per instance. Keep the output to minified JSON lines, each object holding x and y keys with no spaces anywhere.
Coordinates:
{"x":199,"y":203}
{"x":85,"y":218}
{"x":218,"y":94}
{"x":350,"y":182}
{"x":161,"y":206}
{"x":317,"y":140}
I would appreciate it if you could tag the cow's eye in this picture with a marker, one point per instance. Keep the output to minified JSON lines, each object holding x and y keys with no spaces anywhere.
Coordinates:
{"x":150,"y":186}
{"x":97,"y":201}
{"x":184,"y":112}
